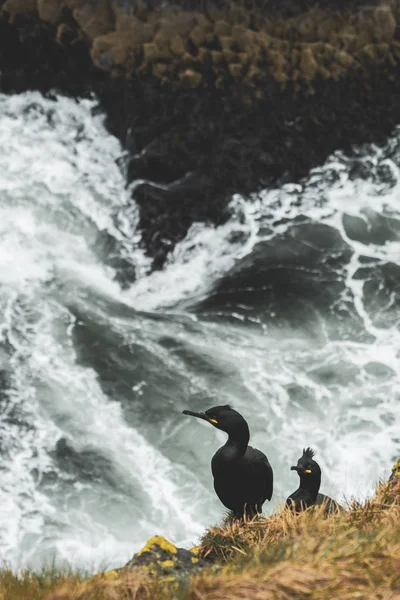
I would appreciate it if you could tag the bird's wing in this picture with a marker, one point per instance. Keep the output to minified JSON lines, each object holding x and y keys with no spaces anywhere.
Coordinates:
{"x":258,"y":469}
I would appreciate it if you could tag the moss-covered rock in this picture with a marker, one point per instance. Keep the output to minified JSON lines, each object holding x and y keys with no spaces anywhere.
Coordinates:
{"x":160,"y":558}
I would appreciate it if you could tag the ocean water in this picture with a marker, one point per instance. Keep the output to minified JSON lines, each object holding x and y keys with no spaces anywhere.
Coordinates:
{"x":290,"y":312}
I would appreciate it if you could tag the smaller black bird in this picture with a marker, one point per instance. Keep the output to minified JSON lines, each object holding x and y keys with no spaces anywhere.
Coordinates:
{"x":310,"y":482}
{"x":243,"y":477}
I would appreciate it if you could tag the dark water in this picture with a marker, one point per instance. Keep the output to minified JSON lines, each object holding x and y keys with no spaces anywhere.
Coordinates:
{"x":289,"y":312}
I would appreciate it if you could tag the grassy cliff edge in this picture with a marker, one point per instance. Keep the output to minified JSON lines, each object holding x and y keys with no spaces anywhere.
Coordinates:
{"x":355,"y":554}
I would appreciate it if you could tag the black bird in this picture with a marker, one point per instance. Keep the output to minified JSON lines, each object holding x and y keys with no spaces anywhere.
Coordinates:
{"x":310,"y":482}
{"x":243,"y":477}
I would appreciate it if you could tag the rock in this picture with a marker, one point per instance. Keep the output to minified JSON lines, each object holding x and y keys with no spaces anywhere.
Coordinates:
{"x":238,"y":14}
{"x":230,"y":56}
{"x":236,"y":70}
{"x":204,"y":56}
{"x":161,"y":558}
{"x":152,"y":53}
{"x":374,"y":54}
{"x":161,"y":71}
{"x":275,"y":44}
{"x":242,"y":37}
{"x":16,"y":7}
{"x":255,"y":76}
{"x":385,"y":24}
{"x":66,"y":35}
{"x":94,"y":19}
{"x":162,"y":40}
{"x":222,"y":28}
{"x":217,"y":57}
{"x":180,"y":23}
{"x":225,"y":43}
{"x":344,"y":59}
{"x":188,"y":61}
{"x":307,"y":28}
{"x":177,"y":45}
{"x":50,"y":11}
{"x":73,"y":4}
{"x":191,"y":78}
{"x":199,"y":34}
{"x":278,"y":65}
{"x":111,"y":575}
{"x":112,"y":50}
{"x":308,"y":64}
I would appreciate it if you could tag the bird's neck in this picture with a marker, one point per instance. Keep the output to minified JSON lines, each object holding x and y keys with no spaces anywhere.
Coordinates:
{"x":237,"y":442}
{"x":311,"y":484}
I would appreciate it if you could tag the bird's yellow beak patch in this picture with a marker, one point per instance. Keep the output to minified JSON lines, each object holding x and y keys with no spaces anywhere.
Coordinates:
{"x":214,"y":421}
{"x":308,"y":471}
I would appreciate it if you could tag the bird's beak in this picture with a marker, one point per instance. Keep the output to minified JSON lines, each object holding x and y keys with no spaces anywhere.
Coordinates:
{"x":300,"y":470}
{"x":199,"y":416}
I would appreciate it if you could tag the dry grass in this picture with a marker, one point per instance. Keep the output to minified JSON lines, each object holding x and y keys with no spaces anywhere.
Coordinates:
{"x":53,"y":586}
{"x":32,"y":586}
{"x":347,"y":556}
{"x":240,"y":538}
{"x":128,"y":587}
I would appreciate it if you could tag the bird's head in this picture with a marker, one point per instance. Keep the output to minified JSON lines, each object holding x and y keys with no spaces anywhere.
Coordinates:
{"x":306,"y":466}
{"x":222,"y":417}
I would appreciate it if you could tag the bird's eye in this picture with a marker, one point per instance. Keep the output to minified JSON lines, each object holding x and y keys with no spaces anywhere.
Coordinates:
{"x":213,"y":420}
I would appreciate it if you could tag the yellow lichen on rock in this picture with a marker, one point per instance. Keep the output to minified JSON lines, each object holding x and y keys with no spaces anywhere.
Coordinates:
{"x":111,"y":574}
{"x":157,"y":541}
{"x":161,"y":559}
{"x":167,"y":563}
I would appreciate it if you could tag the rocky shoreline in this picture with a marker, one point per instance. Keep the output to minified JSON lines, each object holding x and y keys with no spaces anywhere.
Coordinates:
{"x":284,"y":87}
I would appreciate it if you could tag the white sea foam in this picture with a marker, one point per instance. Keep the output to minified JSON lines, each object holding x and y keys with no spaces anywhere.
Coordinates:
{"x":196,"y":263}
{"x":354,"y":427}
{"x":59,"y":186}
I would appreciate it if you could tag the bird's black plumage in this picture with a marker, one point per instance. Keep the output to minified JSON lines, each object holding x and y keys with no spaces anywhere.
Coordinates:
{"x":243,"y":477}
{"x":310,"y":481}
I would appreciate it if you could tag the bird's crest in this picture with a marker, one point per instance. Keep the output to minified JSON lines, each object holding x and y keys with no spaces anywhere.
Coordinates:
{"x":308,"y":453}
